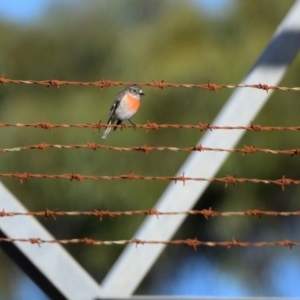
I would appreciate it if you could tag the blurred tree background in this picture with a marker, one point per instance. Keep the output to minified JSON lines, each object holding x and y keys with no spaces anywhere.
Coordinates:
{"x":174,"y":41}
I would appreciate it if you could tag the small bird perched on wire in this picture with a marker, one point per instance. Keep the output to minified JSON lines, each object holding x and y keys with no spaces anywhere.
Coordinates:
{"x":124,"y":107}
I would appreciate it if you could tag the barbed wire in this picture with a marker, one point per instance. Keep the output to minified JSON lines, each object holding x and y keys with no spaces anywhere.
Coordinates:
{"x":131,"y":176}
{"x":187,"y":242}
{"x":198,"y":148}
{"x":206,"y":213}
{"x":103,"y":83}
{"x":153,"y":126}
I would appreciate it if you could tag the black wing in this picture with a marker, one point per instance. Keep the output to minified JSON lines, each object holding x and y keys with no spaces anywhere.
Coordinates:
{"x":113,"y":108}
{"x":116,"y":104}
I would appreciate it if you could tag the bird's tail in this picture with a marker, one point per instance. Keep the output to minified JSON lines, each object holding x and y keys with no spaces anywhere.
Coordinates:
{"x":107,"y":129}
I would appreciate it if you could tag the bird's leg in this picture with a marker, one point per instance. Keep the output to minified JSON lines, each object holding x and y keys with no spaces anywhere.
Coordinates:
{"x":133,"y":125}
{"x":119,"y":122}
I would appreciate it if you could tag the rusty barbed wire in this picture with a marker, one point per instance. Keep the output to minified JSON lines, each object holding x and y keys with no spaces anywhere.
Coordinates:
{"x":153,"y":126}
{"x":228,"y":180}
{"x":104,"y":83}
{"x":198,"y":148}
{"x":195,"y":243}
{"x":206,"y":213}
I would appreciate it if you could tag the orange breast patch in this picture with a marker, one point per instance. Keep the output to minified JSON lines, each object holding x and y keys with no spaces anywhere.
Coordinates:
{"x":133,"y":103}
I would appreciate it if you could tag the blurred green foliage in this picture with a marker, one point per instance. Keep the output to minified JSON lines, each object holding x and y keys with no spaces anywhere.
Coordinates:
{"x":138,"y":41}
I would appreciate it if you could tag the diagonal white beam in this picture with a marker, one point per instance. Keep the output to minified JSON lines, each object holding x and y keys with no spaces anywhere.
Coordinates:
{"x":241,"y":108}
{"x":49,"y":265}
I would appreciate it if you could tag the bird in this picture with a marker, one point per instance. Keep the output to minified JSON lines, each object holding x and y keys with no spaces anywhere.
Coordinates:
{"x":124,"y":107}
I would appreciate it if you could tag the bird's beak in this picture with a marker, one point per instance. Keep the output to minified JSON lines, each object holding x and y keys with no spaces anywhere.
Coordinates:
{"x":141,"y":92}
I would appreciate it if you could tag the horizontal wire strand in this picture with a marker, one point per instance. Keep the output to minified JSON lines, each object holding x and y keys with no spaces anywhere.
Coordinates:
{"x":196,"y":148}
{"x":228,"y":180}
{"x":195,"y":243}
{"x":206,"y":213}
{"x":103,"y":83}
{"x":152,"y":126}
